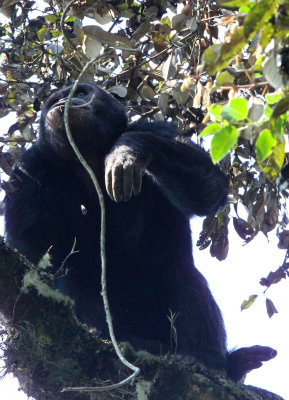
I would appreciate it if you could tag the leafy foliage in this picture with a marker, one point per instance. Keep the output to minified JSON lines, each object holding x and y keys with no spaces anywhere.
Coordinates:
{"x":217,"y":69}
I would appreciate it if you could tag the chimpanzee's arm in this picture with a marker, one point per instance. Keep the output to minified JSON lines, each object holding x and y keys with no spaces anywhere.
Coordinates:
{"x":183,"y":171}
{"x":36,"y":206}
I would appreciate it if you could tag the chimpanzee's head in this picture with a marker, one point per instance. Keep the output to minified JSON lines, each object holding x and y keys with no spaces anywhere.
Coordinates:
{"x":96,"y":120}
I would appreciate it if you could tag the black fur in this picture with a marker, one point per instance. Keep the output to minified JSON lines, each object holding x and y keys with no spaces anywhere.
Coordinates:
{"x":150,"y":268}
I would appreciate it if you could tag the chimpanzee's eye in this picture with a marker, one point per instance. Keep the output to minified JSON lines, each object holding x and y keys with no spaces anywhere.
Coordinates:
{"x":81,"y":93}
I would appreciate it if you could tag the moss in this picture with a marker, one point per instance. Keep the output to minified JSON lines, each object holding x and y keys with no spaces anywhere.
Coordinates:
{"x":143,"y":389}
{"x":33,"y":278}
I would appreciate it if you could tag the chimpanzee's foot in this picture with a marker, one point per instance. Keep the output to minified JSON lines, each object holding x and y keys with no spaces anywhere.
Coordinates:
{"x":243,"y":360}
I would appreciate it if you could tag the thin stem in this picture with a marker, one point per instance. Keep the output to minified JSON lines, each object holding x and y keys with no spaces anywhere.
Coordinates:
{"x":102,"y":249}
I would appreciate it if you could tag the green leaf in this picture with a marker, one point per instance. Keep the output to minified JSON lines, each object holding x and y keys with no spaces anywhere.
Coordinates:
{"x":268,"y":111}
{"x":55,"y":33}
{"x":258,"y":16}
{"x":232,"y":3}
{"x":244,"y":9}
{"x":264,"y":145}
{"x":236,"y":110}
{"x":281,"y":123}
{"x":211,"y":129}
{"x":3,"y":31}
{"x":267,"y":33}
{"x":52,"y":18}
{"x":223,"y":141}
{"x":42,"y":34}
{"x":278,"y":153}
{"x":166,"y":21}
{"x":272,"y":98}
{"x":273,"y":164}
{"x":247,"y":303}
{"x":215,"y":111}
{"x":238,"y":41}
{"x":210,"y":56}
{"x":218,"y":56}
{"x":281,"y":107}
{"x":223,"y":78}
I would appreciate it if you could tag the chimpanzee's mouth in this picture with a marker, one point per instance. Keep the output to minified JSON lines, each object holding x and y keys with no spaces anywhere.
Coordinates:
{"x":75,"y":103}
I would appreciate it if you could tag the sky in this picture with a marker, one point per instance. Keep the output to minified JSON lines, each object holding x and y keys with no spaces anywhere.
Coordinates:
{"x":234,"y":280}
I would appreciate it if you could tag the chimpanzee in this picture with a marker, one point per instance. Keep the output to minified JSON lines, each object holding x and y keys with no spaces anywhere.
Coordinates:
{"x":153,"y":180}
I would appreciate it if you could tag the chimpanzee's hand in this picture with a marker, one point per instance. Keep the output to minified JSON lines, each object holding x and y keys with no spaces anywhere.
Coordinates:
{"x":123,"y":173}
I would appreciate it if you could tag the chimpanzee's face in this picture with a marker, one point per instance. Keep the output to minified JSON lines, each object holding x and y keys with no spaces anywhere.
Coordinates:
{"x":96,"y":120}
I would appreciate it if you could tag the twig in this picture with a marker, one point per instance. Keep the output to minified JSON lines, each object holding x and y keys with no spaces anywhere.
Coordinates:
{"x":20,"y":140}
{"x":102,"y":250}
{"x":170,"y":46}
{"x":68,"y":40}
{"x":62,"y":21}
{"x":248,"y":86}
